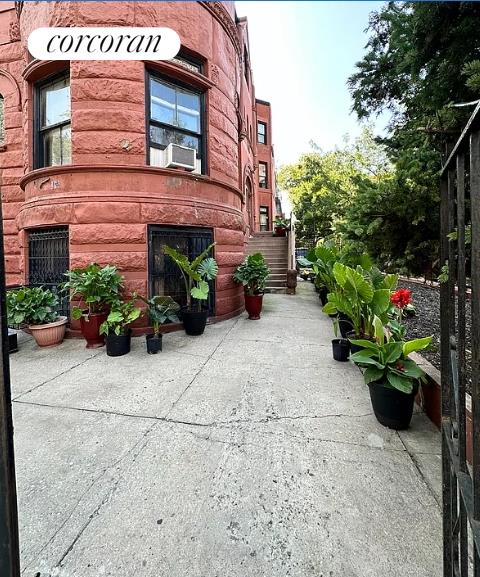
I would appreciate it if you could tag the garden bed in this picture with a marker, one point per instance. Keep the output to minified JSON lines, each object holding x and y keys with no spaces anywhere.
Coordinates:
{"x":426,"y":321}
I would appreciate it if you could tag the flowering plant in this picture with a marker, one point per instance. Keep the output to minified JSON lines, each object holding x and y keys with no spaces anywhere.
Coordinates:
{"x":387,"y":362}
{"x":401,"y":298}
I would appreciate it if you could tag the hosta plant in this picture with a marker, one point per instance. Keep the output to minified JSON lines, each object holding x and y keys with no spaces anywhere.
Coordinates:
{"x":196,"y":273}
{"x":31,"y":306}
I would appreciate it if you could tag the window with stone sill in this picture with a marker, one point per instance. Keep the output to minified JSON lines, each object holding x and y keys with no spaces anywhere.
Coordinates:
{"x":175,"y":116}
{"x":53,"y":143}
{"x":262,"y":175}
{"x":262,"y":132}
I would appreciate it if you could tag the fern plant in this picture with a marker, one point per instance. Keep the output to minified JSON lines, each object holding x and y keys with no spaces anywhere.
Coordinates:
{"x":196,"y":274}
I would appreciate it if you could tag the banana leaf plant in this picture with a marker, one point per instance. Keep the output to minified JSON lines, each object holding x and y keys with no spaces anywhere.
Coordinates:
{"x":196,"y":274}
{"x":356,"y":296}
{"x":323,"y":258}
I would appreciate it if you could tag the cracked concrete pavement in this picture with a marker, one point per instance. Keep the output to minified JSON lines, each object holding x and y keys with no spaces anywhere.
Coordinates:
{"x":246,"y":452}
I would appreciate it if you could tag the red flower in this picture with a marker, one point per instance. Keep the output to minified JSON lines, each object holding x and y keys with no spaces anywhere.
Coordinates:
{"x":401,"y":298}
{"x":401,"y":367}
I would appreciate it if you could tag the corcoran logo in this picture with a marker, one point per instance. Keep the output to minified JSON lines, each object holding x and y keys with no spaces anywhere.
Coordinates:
{"x":104,"y":43}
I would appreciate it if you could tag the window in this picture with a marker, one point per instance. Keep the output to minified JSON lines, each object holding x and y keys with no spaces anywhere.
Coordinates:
{"x":245,"y":63}
{"x":262,"y":132}
{"x":54,"y":134}
{"x":2,"y":121}
{"x":163,"y":275}
{"x":48,"y":261}
{"x":262,"y":175}
{"x":264,"y":218}
{"x":175,"y":117}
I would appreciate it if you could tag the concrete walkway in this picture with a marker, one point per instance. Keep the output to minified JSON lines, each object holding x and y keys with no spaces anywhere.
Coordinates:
{"x":247,"y":452}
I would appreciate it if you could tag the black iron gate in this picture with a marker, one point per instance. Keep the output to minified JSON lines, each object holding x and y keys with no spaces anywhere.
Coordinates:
{"x":48,"y":261}
{"x":460,"y":252}
{"x":164,"y":275}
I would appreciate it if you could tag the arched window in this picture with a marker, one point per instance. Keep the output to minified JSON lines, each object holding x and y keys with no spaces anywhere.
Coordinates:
{"x":2,"y":121}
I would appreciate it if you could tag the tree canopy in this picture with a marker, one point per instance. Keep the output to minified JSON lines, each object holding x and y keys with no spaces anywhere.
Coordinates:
{"x":421,"y":61}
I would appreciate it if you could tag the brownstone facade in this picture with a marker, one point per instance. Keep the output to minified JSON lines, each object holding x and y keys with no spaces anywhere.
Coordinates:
{"x":104,"y":186}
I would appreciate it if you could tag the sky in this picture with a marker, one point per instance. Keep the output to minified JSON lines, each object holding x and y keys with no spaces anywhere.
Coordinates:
{"x":302,"y":54}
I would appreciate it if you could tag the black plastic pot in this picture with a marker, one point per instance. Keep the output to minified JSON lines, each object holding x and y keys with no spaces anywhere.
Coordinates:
{"x":154,"y":344}
{"x":322,"y":293}
{"x":341,"y":349}
{"x":392,"y":408}
{"x":194,"y":322}
{"x":351,"y":336}
{"x":118,"y":345}
{"x":344,"y":324}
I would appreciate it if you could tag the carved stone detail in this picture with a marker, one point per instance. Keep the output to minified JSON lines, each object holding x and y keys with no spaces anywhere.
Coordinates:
{"x":214,"y":74}
{"x":14,"y":31}
{"x":222,"y":15}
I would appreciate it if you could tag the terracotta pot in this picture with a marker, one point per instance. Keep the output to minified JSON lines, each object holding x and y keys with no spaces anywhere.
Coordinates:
{"x":90,"y":325}
{"x":253,"y":304}
{"x":51,"y":334}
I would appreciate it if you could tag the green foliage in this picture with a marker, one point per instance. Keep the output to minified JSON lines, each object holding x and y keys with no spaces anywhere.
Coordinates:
{"x":160,"y":310}
{"x":31,"y":306}
{"x":98,"y":287}
{"x":122,"y":314}
{"x":361,"y":295}
{"x":252,"y":274}
{"x":421,"y":58}
{"x":281,"y":223}
{"x":196,"y":274}
{"x":388,"y":362}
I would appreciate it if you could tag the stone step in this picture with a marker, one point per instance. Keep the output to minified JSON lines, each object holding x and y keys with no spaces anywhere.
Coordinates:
{"x":275,"y":277}
{"x":271,"y":283}
{"x":275,"y":290}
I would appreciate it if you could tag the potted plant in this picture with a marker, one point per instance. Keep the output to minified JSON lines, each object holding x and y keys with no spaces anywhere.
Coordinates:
{"x":116,"y":326}
{"x":98,"y":288}
{"x":281,"y":225}
{"x":392,"y":377}
{"x":36,"y":308}
{"x":364,"y":302}
{"x":196,"y":275}
{"x":252,"y":274}
{"x":161,"y":309}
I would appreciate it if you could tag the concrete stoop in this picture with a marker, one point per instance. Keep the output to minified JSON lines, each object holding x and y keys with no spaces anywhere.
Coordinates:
{"x":275,"y":251}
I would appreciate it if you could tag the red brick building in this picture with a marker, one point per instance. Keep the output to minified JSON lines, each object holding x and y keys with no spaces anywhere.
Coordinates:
{"x":87,"y":149}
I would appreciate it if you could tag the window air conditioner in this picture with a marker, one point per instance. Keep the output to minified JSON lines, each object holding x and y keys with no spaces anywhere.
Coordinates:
{"x":180,"y":157}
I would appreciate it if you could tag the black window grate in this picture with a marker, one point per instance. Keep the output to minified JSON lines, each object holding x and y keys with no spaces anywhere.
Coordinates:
{"x":48,"y":261}
{"x":164,"y":276}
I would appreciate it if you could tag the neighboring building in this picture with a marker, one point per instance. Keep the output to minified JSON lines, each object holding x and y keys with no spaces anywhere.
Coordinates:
{"x":84,"y":148}
{"x":266,"y":167}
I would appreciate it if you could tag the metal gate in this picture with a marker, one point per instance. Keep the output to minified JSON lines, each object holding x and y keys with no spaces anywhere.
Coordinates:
{"x":460,"y":253}
{"x":164,"y":276}
{"x":48,"y":261}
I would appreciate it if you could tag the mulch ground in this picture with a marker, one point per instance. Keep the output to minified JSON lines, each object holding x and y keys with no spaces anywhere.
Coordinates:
{"x":426,"y":321}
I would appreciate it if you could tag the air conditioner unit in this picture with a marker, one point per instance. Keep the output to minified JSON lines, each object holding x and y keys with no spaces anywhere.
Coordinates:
{"x":177,"y":156}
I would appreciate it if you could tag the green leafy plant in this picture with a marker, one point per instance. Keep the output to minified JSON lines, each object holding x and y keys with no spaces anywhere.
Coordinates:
{"x":122,"y":314}
{"x":281,"y":222}
{"x":98,"y":287}
{"x":386,"y":362}
{"x":356,"y":297}
{"x":31,"y":306}
{"x":196,"y":274}
{"x":160,"y":310}
{"x":252,"y":274}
